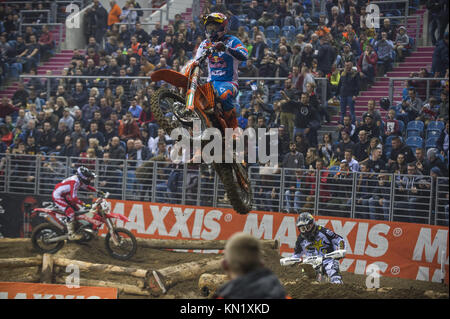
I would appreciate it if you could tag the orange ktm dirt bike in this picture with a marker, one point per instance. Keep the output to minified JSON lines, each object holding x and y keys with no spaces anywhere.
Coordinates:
{"x":194,"y":101}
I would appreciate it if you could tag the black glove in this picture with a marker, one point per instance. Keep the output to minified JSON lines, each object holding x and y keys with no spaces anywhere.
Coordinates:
{"x":220,"y":46}
{"x":101,"y":193}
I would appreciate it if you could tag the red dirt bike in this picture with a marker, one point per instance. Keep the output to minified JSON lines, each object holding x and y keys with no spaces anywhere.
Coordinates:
{"x":180,"y":108}
{"x":49,"y":237}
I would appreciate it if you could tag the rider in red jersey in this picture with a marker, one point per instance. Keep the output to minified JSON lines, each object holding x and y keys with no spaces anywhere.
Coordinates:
{"x":66,"y":198}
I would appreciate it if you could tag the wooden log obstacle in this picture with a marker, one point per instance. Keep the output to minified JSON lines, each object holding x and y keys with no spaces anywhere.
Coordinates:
{"x":149,"y":282}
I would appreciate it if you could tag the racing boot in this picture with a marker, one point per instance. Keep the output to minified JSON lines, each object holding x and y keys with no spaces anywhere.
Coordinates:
{"x":71,"y":230}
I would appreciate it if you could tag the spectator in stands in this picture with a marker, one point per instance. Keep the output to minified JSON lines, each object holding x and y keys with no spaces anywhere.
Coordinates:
{"x":401,"y":42}
{"x":293,"y":159}
{"x":380,"y":198}
{"x":444,"y":107}
{"x":95,"y":133}
{"x":325,"y":56}
{"x":326,"y":149}
{"x":364,"y":189}
{"x":345,"y":55}
{"x":114,"y":14}
{"x":440,"y":55}
{"x":442,"y":142}
{"x":399,"y":166}
{"x":387,"y":28}
{"x":385,"y":49}
{"x":398,"y":147}
{"x":435,"y":160}
{"x":115,"y":149}
{"x":353,"y":164}
{"x":349,"y":127}
{"x":360,"y":148}
{"x":348,"y":90}
{"x":391,"y":125}
{"x":29,"y":57}
{"x":413,"y":105}
{"x":367,"y":64}
{"x":89,"y":109}
{"x":409,"y":190}
{"x":96,"y":21}
{"x":46,"y":42}
{"x":422,"y":163}
{"x":305,"y":122}
{"x":375,"y":161}
{"x":129,"y":128}
{"x":257,"y":53}
{"x":369,"y":127}
{"x":344,"y":143}
{"x":6,"y":108}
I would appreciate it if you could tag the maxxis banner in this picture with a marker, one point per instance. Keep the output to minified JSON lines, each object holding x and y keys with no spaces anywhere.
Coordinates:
{"x":406,"y":250}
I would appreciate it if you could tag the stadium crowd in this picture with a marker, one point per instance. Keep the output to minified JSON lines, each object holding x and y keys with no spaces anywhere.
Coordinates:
{"x":112,"y":119}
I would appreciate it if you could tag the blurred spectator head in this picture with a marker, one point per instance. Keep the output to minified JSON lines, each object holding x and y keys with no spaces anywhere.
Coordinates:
{"x":435,"y":172}
{"x":432,"y":154}
{"x":242,"y":255}
{"x":362,"y":135}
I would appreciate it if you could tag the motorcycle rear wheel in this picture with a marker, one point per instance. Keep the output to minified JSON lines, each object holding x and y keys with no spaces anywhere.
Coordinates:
{"x":43,"y":232}
{"x":127,"y":247}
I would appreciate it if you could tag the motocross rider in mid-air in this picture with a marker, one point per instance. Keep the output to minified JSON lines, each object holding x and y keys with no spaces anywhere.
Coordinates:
{"x":222,"y":64}
{"x":315,"y":240}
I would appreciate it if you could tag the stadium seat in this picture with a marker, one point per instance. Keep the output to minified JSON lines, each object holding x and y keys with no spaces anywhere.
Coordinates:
{"x":415,"y":126}
{"x":289,"y":32}
{"x":275,"y":44}
{"x":401,"y":125}
{"x":269,"y":43}
{"x":261,"y":28}
{"x":431,"y":142}
{"x":433,"y":133}
{"x":435,"y":126}
{"x":245,"y":98}
{"x":414,"y":142}
{"x":272,"y":32}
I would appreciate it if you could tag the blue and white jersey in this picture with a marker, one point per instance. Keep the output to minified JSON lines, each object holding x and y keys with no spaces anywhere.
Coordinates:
{"x":325,"y":241}
{"x":223,"y":66}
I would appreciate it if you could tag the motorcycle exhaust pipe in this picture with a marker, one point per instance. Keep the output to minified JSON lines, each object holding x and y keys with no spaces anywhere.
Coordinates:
{"x":54,"y":223}
{"x":59,"y":238}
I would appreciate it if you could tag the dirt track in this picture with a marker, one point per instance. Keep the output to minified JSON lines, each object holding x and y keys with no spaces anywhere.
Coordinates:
{"x":298,"y":287}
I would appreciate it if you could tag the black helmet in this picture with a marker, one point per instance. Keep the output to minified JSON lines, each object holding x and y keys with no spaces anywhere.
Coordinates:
{"x":85,"y":175}
{"x":306,"y":225}
{"x":385,"y":104}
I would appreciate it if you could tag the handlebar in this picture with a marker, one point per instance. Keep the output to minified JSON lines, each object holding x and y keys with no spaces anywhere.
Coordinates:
{"x":205,"y":54}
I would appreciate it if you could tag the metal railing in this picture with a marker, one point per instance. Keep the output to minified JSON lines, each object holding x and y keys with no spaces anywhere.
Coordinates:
{"x":402,"y":79}
{"x":383,"y":3}
{"x":110,"y":80}
{"x":389,"y":197}
{"x":23,"y":15}
{"x":56,"y":14}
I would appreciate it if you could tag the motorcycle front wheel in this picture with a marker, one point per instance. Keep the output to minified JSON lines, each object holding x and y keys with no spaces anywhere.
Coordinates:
{"x":126,"y":246}
{"x":40,"y":236}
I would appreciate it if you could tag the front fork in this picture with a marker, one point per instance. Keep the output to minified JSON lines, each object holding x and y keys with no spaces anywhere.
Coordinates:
{"x":112,"y":232}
